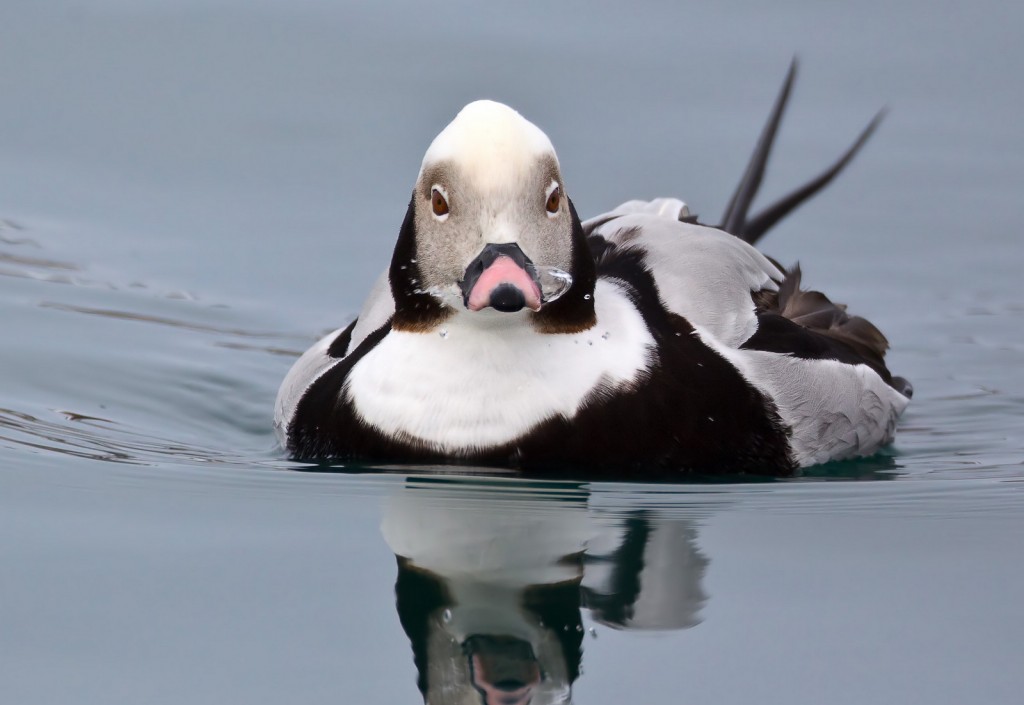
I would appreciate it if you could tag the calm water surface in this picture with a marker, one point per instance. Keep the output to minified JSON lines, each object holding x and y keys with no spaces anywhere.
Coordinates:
{"x":191,"y":193}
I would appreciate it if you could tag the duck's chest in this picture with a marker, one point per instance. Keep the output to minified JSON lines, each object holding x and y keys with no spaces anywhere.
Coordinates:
{"x":475,"y":384}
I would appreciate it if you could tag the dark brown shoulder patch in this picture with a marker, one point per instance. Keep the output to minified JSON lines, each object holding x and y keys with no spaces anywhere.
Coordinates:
{"x":808,"y":324}
{"x":416,"y":311}
{"x":574,"y":311}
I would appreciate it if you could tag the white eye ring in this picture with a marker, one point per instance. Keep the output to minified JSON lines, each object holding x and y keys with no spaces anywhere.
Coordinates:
{"x":547,"y":196}
{"x":439,"y":190}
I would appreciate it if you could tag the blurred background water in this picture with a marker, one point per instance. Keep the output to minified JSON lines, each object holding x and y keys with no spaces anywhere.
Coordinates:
{"x":192,"y":192}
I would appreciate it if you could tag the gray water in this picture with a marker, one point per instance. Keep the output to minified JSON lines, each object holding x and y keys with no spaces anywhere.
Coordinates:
{"x":192,"y":192}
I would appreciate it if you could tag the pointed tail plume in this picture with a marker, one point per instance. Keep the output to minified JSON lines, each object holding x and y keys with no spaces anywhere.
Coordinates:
{"x":735,"y":219}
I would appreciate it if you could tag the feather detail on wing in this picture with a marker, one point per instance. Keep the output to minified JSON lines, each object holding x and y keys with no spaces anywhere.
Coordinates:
{"x":334,"y":346}
{"x":814,"y":310}
{"x":704,"y":275}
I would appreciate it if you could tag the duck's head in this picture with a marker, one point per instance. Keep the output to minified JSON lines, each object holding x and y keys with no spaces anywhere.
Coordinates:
{"x":491,"y":229}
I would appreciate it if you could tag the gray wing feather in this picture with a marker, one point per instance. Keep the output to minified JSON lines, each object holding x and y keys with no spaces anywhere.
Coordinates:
{"x":703,"y":274}
{"x":377,"y":309}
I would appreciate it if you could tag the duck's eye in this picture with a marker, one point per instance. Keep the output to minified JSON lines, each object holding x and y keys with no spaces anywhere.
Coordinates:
{"x":438,"y":203}
{"x":554,"y":200}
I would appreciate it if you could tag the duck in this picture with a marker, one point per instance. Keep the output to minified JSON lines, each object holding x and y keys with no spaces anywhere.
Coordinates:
{"x":506,"y":332}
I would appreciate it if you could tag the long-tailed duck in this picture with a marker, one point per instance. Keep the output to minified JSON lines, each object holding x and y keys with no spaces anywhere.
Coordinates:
{"x":508,"y":332}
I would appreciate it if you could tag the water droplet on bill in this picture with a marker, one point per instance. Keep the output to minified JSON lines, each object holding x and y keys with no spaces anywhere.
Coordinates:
{"x":553,"y":282}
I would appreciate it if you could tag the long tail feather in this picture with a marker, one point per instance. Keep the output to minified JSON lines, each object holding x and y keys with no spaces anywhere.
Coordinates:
{"x":763,"y":221}
{"x":734,"y":218}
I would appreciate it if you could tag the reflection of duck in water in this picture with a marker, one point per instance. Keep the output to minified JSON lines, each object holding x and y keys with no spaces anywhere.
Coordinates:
{"x":491,"y":582}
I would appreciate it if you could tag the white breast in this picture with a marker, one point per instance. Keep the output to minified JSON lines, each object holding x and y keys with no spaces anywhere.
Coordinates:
{"x":487,"y":378}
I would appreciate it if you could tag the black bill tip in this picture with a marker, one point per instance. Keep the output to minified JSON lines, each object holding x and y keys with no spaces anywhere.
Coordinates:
{"x":507,"y":298}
